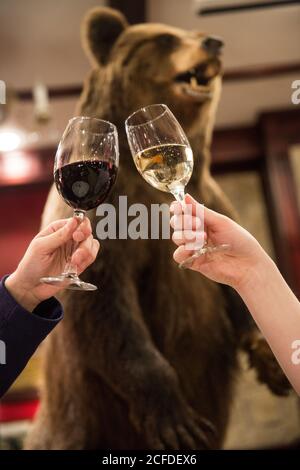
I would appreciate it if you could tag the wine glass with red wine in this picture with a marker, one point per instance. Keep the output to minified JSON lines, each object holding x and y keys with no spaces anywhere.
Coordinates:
{"x":85,"y":170}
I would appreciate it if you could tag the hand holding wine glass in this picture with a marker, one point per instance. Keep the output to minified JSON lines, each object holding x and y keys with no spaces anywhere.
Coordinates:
{"x":45,"y":255}
{"x":86,"y":165}
{"x":163,"y":155}
{"x":232,"y":266}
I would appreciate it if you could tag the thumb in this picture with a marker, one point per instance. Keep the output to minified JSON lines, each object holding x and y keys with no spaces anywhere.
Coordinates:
{"x":58,"y":238}
{"x":212,"y":219}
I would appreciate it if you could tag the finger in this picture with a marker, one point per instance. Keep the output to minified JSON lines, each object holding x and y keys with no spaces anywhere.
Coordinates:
{"x":83,"y":231}
{"x":193,"y":239}
{"x":176,"y":208}
{"x":189,"y":259}
{"x":188,"y":204}
{"x":96,"y":248}
{"x":182,"y":237}
{"x":85,"y":255}
{"x":83,"y":250}
{"x":82,"y":258}
{"x":51,"y":228}
{"x":212,"y":219}
{"x":54,"y":240}
{"x":185,"y":222}
{"x":181,"y":254}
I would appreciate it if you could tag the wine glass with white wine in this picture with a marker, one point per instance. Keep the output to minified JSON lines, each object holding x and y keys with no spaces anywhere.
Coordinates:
{"x":163,"y":156}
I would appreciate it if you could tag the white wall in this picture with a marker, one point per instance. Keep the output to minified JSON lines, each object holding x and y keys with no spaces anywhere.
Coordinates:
{"x":253,"y":37}
{"x":39,"y":39}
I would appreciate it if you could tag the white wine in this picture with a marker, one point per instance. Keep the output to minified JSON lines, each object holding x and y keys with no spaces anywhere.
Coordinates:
{"x":166,"y":167}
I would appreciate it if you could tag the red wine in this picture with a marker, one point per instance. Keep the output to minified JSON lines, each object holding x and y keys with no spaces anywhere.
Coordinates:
{"x":85,"y":184}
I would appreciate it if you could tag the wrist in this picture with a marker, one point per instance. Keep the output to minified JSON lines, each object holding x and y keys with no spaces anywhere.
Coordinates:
{"x":22,"y":294}
{"x":257,"y":275}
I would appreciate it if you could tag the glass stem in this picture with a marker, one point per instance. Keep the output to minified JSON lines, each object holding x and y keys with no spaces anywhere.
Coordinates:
{"x":179,"y":193}
{"x":70,"y":268}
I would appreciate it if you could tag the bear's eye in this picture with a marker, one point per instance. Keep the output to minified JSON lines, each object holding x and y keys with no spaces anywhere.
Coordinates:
{"x":166,"y":40}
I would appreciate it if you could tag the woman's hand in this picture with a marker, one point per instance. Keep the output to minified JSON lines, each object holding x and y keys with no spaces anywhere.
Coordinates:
{"x":46,"y":256}
{"x":246,"y":267}
{"x":232,"y":266}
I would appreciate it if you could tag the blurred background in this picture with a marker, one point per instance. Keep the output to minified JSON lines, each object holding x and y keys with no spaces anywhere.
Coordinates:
{"x":255,"y":155}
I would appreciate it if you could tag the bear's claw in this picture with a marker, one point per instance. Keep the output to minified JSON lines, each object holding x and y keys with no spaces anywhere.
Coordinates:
{"x":170,"y":423}
{"x":262,"y":359}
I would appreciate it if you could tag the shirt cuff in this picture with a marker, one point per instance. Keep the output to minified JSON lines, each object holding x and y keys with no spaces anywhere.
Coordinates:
{"x":48,"y":312}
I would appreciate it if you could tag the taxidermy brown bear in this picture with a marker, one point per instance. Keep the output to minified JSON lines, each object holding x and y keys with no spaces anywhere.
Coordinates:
{"x":148,"y":360}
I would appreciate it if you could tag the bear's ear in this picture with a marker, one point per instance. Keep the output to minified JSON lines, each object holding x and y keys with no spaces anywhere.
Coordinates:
{"x":101,"y":28}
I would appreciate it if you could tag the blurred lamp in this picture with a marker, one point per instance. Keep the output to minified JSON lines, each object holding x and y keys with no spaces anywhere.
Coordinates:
{"x":18,"y":167}
{"x":10,"y":139}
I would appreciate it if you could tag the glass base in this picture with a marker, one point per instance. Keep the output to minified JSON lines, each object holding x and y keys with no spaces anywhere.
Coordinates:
{"x":68,"y":281}
{"x":187,"y":263}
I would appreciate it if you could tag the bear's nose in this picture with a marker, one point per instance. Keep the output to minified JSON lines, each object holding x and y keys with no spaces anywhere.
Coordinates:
{"x":212,"y":45}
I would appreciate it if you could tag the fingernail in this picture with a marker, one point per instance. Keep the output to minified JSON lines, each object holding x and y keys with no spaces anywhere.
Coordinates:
{"x":188,"y":196}
{"x":175,"y":207}
{"x":188,"y":263}
{"x":172,"y":206}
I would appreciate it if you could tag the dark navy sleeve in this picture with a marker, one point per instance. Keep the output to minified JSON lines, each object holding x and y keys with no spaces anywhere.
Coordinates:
{"x":21,"y":332}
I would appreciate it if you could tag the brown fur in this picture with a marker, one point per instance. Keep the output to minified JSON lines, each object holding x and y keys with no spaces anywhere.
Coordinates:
{"x":141,"y":362}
